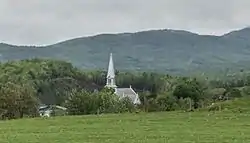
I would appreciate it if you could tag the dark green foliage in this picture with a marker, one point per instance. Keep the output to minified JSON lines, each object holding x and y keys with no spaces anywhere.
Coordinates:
{"x":189,"y":89}
{"x":30,"y":82}
{"x":105,"y":101}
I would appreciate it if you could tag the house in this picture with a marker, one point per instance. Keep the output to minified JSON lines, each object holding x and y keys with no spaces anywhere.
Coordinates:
{"x":121,"y":92}
{"x":51,"y":110}
{"x":44,"y":111}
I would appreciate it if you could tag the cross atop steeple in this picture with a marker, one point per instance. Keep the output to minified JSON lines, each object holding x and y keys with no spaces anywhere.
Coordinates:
{"x":111,"y":73}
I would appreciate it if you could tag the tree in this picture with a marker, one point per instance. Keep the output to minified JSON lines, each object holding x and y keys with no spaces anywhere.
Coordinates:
{"x":189,"y":89}
{"x":18,"y":100}
{"x":81,"y":102}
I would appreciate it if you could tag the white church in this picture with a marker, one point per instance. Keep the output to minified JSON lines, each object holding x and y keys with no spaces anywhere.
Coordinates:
{"x":121,"y":92}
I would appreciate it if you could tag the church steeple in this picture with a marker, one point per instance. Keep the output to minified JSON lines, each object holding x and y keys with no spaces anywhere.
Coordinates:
{"x":111,"y":73}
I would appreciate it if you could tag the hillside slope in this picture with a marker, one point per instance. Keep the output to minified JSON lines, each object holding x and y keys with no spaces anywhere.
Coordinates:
{"x":161,"y":127}
{"x":172,"y":51}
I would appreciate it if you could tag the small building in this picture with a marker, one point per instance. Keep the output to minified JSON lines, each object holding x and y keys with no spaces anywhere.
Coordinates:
{"x":51,"y":110}
{"x":121,"y":92}
{"x":45,"y":111}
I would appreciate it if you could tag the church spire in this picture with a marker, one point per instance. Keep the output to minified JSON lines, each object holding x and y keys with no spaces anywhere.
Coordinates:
{"x":111,"y":73}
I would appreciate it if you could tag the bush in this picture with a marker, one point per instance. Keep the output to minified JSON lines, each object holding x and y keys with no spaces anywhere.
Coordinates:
{"x":151,"y":105}
{"x":84,"y":102}
{"x":235,"y":105}
{"x":184,"y":104}
{"x":166,"y":103}
{"x":126,"y":105}
{"x":233,"y":93}
{"x":217,"y":94}
{"x":246,"y":91}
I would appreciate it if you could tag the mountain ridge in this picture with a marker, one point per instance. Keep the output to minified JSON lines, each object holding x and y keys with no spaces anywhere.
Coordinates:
{"x":103,"y":34}
{"x":165,"y":50}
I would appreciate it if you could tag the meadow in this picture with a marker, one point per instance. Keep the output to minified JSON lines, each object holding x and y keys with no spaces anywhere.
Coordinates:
{"x":163,"y":127}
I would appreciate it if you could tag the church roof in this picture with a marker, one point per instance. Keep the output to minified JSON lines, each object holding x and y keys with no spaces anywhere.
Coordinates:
{"x":127,"y":92}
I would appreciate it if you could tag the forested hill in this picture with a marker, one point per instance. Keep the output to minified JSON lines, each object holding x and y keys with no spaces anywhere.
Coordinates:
{"x":173,"y":51}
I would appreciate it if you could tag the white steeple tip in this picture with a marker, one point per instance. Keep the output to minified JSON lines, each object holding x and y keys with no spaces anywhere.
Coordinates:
{"x":111,"y":73}
{"x":111,"y":70}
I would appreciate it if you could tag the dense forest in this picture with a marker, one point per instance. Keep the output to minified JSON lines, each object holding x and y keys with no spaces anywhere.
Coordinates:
{"x":26,"y":84}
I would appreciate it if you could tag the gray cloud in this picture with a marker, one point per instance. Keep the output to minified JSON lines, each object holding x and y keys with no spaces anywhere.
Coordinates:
{"x":50,"y":21}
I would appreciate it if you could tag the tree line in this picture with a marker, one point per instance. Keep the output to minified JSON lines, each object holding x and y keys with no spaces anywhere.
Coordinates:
{"x":26,"y":84}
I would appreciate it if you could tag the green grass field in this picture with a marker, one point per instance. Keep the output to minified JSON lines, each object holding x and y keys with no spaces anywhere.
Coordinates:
{"x":165,"y":127}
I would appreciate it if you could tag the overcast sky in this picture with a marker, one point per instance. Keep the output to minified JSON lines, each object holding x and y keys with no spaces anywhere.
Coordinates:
{"x":39,"y":22}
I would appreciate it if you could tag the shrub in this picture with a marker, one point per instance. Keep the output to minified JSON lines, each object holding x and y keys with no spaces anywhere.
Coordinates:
{"x":84,"y":102}
{"x":233,"y":93}
{"x":184,"y":104}
{"x":166,"y":103}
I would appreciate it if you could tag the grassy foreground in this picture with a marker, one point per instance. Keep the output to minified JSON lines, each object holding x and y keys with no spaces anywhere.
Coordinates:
{"x":167,"y":127}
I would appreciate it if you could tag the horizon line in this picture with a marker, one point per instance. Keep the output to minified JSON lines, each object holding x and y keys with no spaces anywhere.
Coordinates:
{"x":117,"y":33}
